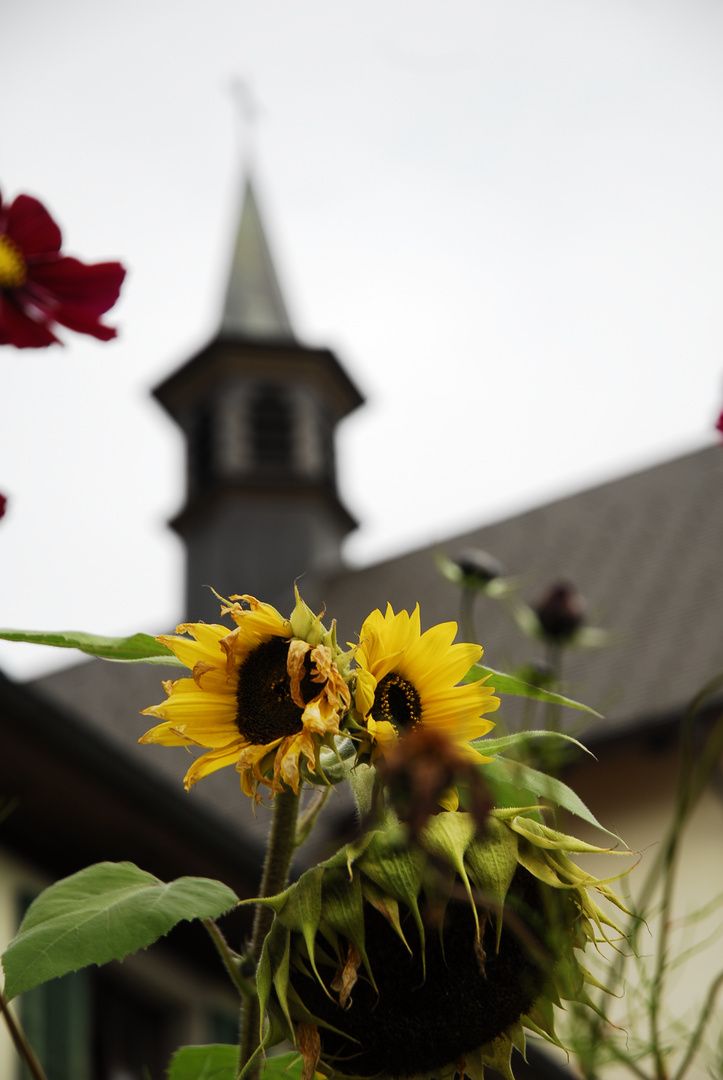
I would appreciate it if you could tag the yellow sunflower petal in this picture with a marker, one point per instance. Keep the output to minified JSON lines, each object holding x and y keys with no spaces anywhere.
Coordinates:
{"x":432,"y":665}
{"x":321,"y":717}
{"x":230,"y":708}
{"x":286,"y":765}
{"x":209,"y":763}
{"x":366,"y":684}
{"x":187,"y":703}
{"x":165,"y":735}
{"x":258,"y":619}
{"x":204,"y":647}
{"x":383,"y":733}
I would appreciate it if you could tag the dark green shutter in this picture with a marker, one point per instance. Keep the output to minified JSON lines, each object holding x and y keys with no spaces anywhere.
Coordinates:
{"x":56,"y":1019}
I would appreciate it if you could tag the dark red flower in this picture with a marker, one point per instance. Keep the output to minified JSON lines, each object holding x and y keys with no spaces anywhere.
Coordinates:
{"x":719,"y":424}
{"x":3,"y":505}
{"x":39,"y":287}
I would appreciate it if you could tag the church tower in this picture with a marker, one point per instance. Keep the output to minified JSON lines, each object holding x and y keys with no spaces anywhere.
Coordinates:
{"x":258,"y":411}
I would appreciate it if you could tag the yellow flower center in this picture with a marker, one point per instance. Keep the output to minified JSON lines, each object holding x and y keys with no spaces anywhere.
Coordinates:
{"x":13,"y":268}
{"x":266,"y":709}
{"x":397,"y":701}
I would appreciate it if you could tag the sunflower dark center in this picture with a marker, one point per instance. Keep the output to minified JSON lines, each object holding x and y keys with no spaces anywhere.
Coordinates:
{"x":266,"y":709}
{"x":396,"y":700}
{"x":423,"y":1019}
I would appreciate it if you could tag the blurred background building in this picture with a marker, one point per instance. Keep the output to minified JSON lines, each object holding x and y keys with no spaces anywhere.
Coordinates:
{"x":258,"y":411}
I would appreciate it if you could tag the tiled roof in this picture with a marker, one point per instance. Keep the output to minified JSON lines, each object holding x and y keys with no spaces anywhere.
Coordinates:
{"x":645,"y":551}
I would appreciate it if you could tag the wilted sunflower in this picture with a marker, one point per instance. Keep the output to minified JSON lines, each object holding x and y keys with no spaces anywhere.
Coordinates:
{"x":403,"y":969}
{"x":405,"y":678}
{"x":260,"y":697}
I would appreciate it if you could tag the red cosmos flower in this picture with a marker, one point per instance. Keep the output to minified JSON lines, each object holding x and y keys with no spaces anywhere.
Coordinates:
{"x":719,"y":424}
{"x":39,"y":287}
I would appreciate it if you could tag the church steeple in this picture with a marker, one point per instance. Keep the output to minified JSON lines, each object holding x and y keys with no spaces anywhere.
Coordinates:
{"x":258,"y":411}
{"x":254,"y":306}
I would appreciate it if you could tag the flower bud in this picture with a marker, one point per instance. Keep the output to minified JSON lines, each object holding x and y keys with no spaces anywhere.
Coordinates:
{"x":560,"y":611}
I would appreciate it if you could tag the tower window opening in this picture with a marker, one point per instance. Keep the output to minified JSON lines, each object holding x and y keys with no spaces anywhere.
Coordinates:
{"x":201,"y":448}
{"x":272,"y":427}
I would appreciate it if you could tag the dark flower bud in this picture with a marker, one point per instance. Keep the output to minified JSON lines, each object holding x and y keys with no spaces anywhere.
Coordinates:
{"x":560,"y":611}
{"x":478,"y":566}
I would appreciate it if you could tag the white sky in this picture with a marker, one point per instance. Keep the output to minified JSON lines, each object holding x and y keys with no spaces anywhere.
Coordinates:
{"x":505,"y":218}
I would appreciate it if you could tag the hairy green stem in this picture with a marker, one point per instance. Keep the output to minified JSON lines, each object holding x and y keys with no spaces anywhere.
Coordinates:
{"x":230,"y":959}
{"x":279,"y":853}
{"x":310,"y":816}
{"x":466,"y":615}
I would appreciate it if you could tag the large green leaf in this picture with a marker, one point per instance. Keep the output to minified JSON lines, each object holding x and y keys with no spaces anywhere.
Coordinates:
{"x":518,"y":780}
{"x":103,"y":913}
{"x":283,"y":1067}
{"x":510,"y":684}
{"x":218,"y":1062}
{"x":137,"y":649}
{"x":214,"y":1062}
{"x":506,"y":788}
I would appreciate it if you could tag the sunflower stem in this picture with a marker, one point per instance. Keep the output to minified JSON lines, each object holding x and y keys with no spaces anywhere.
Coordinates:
{"x":310,"y":816}
{"x":279,"y":853}
{"x":230,"y":959}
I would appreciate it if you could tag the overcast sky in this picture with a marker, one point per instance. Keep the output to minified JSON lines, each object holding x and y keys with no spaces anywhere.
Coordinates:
{"x":504,"y":216}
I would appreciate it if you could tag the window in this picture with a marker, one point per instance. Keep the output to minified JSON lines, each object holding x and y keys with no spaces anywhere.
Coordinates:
{"x":272,"y":428}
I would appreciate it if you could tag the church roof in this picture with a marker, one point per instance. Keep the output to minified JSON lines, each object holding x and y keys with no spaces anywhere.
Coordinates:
{"x":254,"y":306}
{"x":644,"y":550}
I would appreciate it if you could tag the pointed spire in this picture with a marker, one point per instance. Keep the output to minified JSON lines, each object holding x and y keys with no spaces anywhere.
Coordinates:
{"x":254,"y":306}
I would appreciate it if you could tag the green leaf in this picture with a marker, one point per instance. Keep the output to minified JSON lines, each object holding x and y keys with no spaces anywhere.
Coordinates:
{"x":510,"y":684}
{"x":490,"y":747}
{"x":523,"y":780}
{"x":218,"y":1062}
{"x":213,"y":1062}
{"x":103,"y":913}
{"x":506,"y":789}
{"x":137,"y":649}
{"x":283,"y":1067}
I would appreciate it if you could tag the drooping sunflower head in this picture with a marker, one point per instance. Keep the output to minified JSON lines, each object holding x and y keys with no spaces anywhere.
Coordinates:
{"x":407,"y":969}
{"x":261,"y":697}
{"x":406,"y":678}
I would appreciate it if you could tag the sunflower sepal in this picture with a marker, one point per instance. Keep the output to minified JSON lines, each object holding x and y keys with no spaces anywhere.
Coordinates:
{"x":333,"y":763}
{"x":307,"y":626}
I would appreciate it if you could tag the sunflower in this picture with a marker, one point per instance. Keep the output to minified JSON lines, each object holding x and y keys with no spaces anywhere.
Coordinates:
{"x":260,"y":697}
{"x":405,"y":678}
{"x":405,"y":969}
